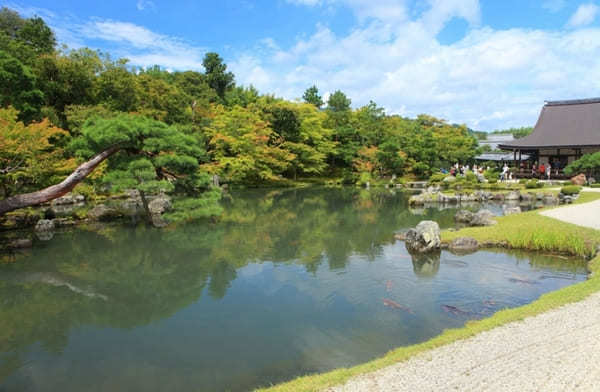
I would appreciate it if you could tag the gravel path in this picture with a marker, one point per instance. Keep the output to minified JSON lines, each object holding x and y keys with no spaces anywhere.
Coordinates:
{"x":555,"y":351}
{"x":587,"y":214}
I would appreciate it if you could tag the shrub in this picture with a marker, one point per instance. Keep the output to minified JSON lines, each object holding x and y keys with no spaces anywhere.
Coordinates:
{"x":437,"y":178}
{"x":570,"y":190}
{"x":534,"y":184}
{"x":595,"y":186}
{"x":471,"y":177}
{"x":523,"y":181}
{"x":491,"y":175}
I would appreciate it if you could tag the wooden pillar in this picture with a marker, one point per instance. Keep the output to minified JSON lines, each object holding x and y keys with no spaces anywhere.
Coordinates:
{"x":515,"y":158}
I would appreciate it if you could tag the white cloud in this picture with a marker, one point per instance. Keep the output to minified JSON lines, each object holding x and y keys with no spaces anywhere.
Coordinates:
{"x":585,"y":15}
{"x":554,"y":5}
{"x":143,"y":5}
{"x":490,"y":79}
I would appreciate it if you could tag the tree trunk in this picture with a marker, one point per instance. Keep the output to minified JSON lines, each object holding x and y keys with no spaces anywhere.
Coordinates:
{"x":56,"y":191}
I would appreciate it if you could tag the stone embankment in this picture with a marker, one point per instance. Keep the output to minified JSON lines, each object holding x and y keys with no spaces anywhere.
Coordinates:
{"x":434,"y":196}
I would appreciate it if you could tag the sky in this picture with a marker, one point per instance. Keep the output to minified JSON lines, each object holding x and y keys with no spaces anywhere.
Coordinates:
{"x":489,"y":64}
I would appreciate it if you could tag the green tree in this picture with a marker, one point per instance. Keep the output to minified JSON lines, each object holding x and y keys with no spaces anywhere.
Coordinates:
{"x":18,"y":87}
{"x":116,"y":86}
{"x":311,"y":95}
{"x":338,"y":102}
{"x":216,"y":74}
{"x":152,"y":158}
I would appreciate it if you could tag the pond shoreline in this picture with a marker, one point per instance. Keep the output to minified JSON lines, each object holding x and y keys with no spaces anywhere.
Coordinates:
{"x":536,"y":232}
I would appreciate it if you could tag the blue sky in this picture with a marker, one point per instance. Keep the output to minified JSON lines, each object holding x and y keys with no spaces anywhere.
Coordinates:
{"x":486,"y":63}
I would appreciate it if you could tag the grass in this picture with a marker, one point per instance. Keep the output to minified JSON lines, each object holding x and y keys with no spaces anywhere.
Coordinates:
{"x":526,"y":231}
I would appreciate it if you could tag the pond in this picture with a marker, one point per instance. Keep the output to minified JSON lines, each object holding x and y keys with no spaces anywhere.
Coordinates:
{"x":289,"y":282}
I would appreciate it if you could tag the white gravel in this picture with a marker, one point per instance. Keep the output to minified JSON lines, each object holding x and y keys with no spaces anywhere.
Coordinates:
{"x":555,"y":351}
{"x":587,"y":214}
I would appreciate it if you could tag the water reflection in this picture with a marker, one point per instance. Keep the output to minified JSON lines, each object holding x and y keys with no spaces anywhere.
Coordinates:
{"x":289,"y":282}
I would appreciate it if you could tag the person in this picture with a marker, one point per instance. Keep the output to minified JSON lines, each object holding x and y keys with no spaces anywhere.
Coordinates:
{"x":533,"y":170}
{"x":542,"y":171}
{"x":548,"y":171}
{"x":504,"y":175}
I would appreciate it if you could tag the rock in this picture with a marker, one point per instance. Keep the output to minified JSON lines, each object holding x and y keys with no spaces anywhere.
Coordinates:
{"x":464,"y":216}
{"x":103,"y":212}
{"x":157,"y":207}
{"x":20,"y":243}
{"x":68,"y":199}
{"x":483,"y":218}
{"x":579,"y":180}
{"x":507,"y":210}
{"x":498,"y":196}
{"x":463,"y":245}
{"x":550,"y":199}
{"x":514,"y":195}
{"x":567,"y":199}
{"x":527,"y":197}
{"x":433,"y":189}
{"x":160,"y":204}
{"x":44,"y":225}
{"x":63,"y":222}
{"x":423,"y":238}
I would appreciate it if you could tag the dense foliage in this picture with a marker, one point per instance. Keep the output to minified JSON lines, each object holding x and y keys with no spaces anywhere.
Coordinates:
{"x":79,"y":97}
{"x":588,"y":164}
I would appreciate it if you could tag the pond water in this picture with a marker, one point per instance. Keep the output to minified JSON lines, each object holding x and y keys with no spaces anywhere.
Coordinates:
{"x":289,"y":282}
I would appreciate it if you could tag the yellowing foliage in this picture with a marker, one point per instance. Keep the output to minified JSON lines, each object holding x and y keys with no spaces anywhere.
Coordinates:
{"x":28,"y":156}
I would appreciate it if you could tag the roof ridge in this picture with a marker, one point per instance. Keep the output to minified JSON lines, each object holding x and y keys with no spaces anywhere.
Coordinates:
{"x":572,"y":102}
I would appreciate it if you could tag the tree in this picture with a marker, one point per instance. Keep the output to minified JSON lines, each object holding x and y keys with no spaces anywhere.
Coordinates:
{"x":18,"y":87}
{"x":241,"y":147}
{"x":28,"y":155}
{"x":68,"y":79}
{"x":311,"y":95}
{"x":588,"y":164}
{"x":146,"y":154}
{"x":117,"y":87}
{"x":216,"y":74}
{"x":338,"y":102}
{"x":25,"y":39}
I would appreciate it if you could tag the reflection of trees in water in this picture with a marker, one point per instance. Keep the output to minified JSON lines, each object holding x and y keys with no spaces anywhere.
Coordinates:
{"x":126,"y":277}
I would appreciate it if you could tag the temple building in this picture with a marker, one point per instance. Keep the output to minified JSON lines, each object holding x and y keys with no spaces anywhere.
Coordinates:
{"x":564,"y":132}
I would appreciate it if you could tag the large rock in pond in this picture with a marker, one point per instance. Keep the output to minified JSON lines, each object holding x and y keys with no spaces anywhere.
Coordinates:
{"x":157,"y":207}
{"x":463,"y":245}
{"x":580,"y":180}
{"x":527,"y":198}
{"x":514,"y":195}
{"x":44,"y":229}
{"x":464,"y":216}
{"x":423,"y":238}
{"x":508,"y":210}
{"x":483,"y":218}
{"x":103,"y":212}
{"x":44,"y":225}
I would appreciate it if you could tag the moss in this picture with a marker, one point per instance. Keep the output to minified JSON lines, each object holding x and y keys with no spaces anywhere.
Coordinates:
{"x":540,"y":233}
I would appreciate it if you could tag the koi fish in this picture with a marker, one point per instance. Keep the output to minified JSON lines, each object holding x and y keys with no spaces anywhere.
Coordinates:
{"x":522,"y":281}
{"x":455,"y":311}
{"x":396,"y":305}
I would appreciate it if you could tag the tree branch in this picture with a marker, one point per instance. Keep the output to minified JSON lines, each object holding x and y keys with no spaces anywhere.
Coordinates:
{"x":56,"y":191}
